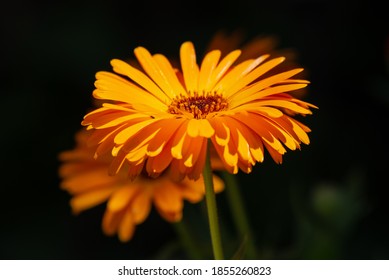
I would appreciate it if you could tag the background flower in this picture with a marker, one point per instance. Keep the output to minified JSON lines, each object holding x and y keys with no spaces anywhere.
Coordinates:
{"x":128,"y":201}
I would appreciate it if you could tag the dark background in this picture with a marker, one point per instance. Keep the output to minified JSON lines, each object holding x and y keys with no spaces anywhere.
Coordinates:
{"x":327,"y":201}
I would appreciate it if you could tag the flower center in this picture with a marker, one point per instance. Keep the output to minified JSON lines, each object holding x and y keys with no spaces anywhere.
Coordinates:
{"x":198,"y":105}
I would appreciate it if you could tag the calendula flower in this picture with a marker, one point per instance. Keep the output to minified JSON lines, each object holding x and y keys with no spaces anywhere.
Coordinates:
{"x":128,"y":203}
{"x":163,"y":118}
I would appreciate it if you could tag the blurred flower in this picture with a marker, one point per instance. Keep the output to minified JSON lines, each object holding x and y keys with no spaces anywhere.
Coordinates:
{"x":227,"y":42}
{"x":162,"y":119}
{"x":128,"y":202}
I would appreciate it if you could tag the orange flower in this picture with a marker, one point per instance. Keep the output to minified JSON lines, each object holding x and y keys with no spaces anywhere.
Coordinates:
{"x":128,"y":202}
{"x":163,"y":118}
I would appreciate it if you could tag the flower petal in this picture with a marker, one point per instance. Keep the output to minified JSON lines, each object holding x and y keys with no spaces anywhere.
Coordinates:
{"x":167,"y":197}
{"x":141,"y":206}
{"x":121,"y":198}
{"x":189,"y":66}
{"x":208,"y":65}
{"x":90,"y":199}
{"x":198,"y":164}
{"x":169,"y":73}
{"x":200,"y":127}
{"x":111,"y":221}
{"x":87,"y":180}
{"x":127,"y":227}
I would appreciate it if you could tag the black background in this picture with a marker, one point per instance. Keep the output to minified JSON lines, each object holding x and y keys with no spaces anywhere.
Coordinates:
{"x":327,"y":201}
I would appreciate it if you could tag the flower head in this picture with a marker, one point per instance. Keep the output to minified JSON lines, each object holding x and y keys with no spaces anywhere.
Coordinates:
{"x":128,"y":202}
{"x":163,"y":118}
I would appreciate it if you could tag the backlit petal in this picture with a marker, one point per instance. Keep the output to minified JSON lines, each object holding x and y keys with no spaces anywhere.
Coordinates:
{"x":126,"y":227}
{"x":141,"y":206}
{"x":121,"y":198}
{"x":189,"y":66}
{"x":200,"y":127}
{"x":207,"y":67}
{"x":90,"y":199}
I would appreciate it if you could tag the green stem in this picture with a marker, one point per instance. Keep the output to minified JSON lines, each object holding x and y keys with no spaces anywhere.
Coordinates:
{"x":211,"y":209}
{"x":187,"y":240}
{"x":239,"y":214}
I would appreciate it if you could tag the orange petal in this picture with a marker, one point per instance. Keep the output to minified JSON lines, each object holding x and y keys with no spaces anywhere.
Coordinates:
{"x":230,"y":158}
{"x":90,"y":199}
{"x":207,"y":67}
{"x":189,"y":66}
{"x":88,"y":180}
{"x":200,"y":127}
{"x":169,"y":73}
{"x":192,"y":152}
{"x":218,"y":184}
{"x":192,"y":190}
{"x":141,"y":206}
{"x":170,"y":216}
{"x":198,"y":167}
{"x":121,"y":198}
{"x":167,"y":197}
{"x":276,"y":156}
{"x":299,"y":131}
{"x":111,"y":221}
{"x":126,"y":228}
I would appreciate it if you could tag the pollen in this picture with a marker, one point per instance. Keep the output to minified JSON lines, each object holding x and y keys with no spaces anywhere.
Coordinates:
{"x":198,"y":105}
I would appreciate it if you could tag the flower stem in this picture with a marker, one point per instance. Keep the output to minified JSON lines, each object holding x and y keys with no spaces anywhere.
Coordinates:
{"x":211,"y":209}
{"x":239,"y":214}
